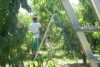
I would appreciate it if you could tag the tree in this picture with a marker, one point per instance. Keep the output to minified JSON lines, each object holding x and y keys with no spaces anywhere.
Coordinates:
{"x":11,"y":36}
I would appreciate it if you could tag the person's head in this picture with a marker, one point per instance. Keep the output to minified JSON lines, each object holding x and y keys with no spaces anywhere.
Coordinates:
{"x":35,"y":19}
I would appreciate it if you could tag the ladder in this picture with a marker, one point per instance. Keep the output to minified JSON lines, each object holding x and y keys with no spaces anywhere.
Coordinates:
{"x":66,"y":38}
{"x":80,"y":32}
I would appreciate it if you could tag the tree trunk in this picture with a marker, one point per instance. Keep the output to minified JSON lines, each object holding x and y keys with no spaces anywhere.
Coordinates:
{"x":84,"y":58}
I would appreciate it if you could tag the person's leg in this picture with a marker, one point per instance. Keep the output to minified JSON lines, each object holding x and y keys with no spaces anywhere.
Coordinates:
{"x":34,"y":47}
{"x":37,"y":43}
{"x":37,"y":47}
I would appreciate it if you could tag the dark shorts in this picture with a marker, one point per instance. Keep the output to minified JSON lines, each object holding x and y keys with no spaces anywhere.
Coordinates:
{"x":35,"y":44}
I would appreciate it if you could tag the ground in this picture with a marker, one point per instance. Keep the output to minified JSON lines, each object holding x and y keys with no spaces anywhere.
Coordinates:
{"x":62,"y":61}
{"x":75,"y":65}
{"x":69,"y":65}
{"x":72,"y":65}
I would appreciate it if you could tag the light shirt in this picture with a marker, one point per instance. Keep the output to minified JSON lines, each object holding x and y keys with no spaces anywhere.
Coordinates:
{"x":34,"y":28}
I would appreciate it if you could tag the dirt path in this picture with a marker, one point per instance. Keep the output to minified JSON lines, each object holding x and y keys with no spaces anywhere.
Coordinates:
{"x":71,"y":65}
{"x":75,"y":65}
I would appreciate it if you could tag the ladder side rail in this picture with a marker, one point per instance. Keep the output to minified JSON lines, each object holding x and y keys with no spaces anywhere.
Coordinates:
{"x":70,"y":14}
{"x":66,"y":38}
{"x":87,"y":49}
{"x":46,"y":32}
{"x":96,"y":6}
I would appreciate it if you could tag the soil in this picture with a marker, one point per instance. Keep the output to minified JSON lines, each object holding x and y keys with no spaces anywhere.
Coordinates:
{"x":75,"y":65}
{"x":71,"y":65}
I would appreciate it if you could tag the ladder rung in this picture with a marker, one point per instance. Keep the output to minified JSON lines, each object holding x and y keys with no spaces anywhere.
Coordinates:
{"x":90,"y":29}
{"x":96,"y":59}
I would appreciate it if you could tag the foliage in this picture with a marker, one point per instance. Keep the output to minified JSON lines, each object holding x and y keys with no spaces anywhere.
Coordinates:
{"x":15,"y":40}
{"x":87,"y":18}
{"x":11,"y":35}
{"x":44,"y":10}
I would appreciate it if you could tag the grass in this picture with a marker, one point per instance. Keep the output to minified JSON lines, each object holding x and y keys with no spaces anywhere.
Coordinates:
{"x":54,"y":57}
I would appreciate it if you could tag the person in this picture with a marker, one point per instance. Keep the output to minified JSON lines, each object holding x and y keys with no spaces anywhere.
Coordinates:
{"x":34,"y":28}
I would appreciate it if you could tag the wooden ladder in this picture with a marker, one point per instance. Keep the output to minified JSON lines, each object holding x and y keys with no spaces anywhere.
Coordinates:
{"x":80,"y":32}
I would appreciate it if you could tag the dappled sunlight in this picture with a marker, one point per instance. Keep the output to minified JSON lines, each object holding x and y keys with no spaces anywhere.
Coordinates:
{"x":74,"y":3}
